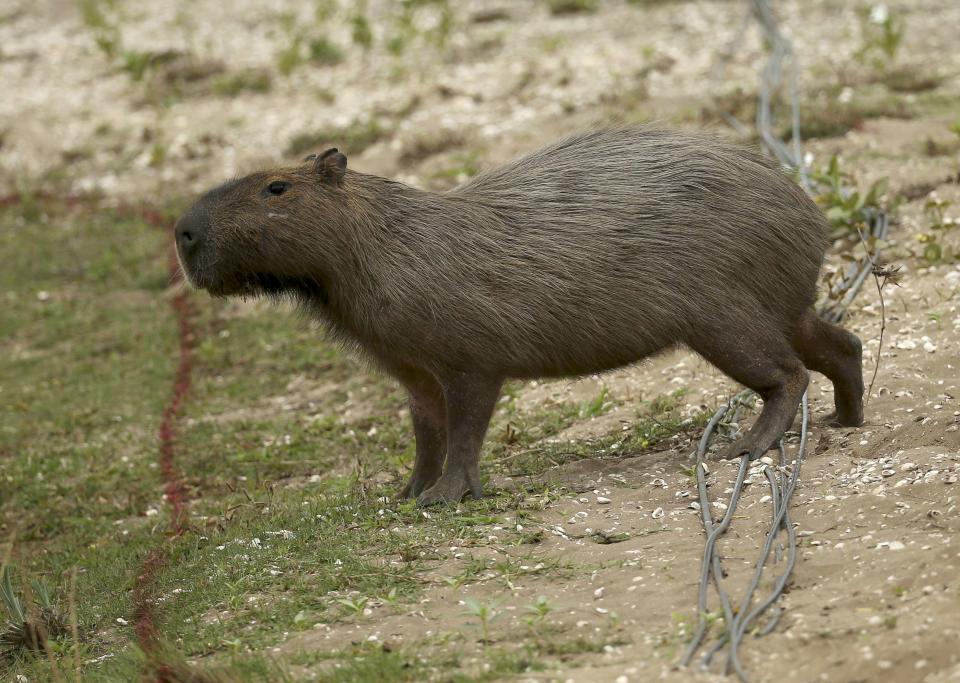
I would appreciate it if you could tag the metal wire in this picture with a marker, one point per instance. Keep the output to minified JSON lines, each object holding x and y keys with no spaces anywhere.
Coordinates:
{"x":832,"y":308}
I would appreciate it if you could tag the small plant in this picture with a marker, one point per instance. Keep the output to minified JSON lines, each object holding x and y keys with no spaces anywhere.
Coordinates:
{"x":351,"y":139}
{"x":485,"y":612}
{"x":847,"y":211}
{"x":935,"y":211}
{"x":465,"y":167}
{"x":598,"y":405}
{"x":538,"y":611}
{"x":105,"y":29}
{"x":360,"y":30}
{"x":158,"y":154}
{"x":558,"y":7}
{"x":23,"y":632}
{"x":355,"y":605}
{"x":252,"y":80}
{"x":101,"y":18}
{"x":392,"y":598}
{"x":882,"y":35}
{"x":302,"y":47}
{"x":322,"y":51}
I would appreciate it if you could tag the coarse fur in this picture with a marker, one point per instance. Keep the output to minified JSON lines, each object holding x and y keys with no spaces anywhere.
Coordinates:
{"x":587,"y":255}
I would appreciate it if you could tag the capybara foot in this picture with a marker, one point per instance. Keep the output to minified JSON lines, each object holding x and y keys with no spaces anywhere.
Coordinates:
{"x":852,"y":418}
{"x":417,"y":484}
{"x":450,"y":488}
{"x":745,"y":446}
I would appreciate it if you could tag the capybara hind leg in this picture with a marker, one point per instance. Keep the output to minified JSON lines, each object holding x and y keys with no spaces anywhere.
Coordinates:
{"x":428,"y":412}
{"x":831,"y":350}
{"x":760,"y":357}
{"x":470,"y":400}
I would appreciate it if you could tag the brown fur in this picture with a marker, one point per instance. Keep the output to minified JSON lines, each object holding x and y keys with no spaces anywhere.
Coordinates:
{"x":590,"y":254}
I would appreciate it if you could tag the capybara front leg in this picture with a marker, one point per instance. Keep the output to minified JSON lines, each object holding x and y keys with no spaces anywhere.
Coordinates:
{"x":470,"y":401}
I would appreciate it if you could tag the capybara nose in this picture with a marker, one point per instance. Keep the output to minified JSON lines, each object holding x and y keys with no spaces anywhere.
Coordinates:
{"x":188,"y":235}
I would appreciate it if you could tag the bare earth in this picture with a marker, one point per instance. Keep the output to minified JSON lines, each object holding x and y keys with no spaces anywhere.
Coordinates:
{"x":876,"y":593}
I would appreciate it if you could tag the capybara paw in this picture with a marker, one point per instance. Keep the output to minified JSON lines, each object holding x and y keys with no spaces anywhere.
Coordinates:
{"x":740,"y":447}
{"x":448,"y":489}
{"x":848,"y":419}
{"x":415,"y":486}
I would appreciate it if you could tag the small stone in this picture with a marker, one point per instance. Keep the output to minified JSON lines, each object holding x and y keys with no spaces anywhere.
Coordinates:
{"x":657,"y":514}
{"x":929,"y":347}
{"x":598,"y":594}
{"x":891,"y":545}
{"x":603,"y":500}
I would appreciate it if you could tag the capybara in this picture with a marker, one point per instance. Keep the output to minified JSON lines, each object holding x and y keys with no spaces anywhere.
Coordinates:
{"x":589,"y":254}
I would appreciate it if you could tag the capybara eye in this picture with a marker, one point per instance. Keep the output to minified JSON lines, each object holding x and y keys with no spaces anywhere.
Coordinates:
{"x":277,"y":187}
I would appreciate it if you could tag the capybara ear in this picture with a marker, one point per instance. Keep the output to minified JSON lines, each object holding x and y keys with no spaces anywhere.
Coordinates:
{"x":331,"y":165}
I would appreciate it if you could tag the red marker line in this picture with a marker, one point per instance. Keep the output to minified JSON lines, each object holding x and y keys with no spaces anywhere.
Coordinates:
{"x":174,"y":490}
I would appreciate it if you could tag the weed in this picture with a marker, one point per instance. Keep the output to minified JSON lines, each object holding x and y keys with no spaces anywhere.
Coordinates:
{"x":23,"y":632}
{"x":354,"y":606}
{"x":560,"y":7}
{"x":847,"y":211}
{"x":910,"y":79}
{"x":882,"y":31}
{"x":158,"y":154}
{"x":597,"y":406}
{"x":466,"y":165}
{"x":485,"y":612}
{"x":430,"y":143}
{"x":831,"y":114}
{"x":97,"y":16}
{"x":351,"y":139}
{"x":935,"y":210}
{"x":252,"y":80}
{"x":538,"y":611}
{"x":360,"y":30}
{"x":302,"y":46}
{"x":322,"y":51}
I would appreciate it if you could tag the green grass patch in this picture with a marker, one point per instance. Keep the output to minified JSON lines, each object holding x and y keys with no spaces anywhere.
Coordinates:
{"x":290,"y":449}
{"x":351,"y":139}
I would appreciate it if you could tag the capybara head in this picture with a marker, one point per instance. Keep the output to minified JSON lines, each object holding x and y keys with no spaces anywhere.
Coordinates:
{"x":265,"y":233}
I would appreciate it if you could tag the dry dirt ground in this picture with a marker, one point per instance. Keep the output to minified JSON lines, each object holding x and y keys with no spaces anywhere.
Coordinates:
{"x":876,"y":592}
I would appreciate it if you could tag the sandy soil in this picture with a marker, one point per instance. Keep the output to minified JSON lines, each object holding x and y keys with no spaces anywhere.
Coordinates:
{"x":876,"y":594}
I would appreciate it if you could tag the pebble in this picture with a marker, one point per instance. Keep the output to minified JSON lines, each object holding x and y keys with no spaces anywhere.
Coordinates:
{"x":603,"y":500}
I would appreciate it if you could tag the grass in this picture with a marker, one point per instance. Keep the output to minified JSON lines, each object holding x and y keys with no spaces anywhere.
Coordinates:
{"x":245,"y":80}
{"x":351,"y":139}
{"x":561,"y":7}
{"x":292,"y":525}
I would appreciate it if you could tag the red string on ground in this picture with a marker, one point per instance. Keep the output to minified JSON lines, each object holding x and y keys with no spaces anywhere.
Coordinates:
{"x":174,"y":489}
